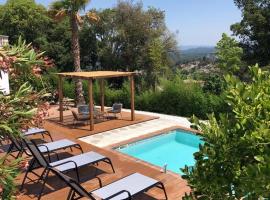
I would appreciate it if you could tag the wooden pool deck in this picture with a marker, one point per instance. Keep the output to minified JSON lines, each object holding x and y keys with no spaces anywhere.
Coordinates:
{"x":124,"y":165}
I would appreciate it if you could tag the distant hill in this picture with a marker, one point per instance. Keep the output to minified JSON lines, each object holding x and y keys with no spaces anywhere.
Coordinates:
{"x":191,"y":53}
{"x":197,"y":60}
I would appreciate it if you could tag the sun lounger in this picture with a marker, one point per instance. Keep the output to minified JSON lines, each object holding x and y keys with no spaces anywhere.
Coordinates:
{"x":72,"y":163}
{"x":16,"y":146}
{"x":35,"y":131}
{"x":124,"y":188}
{"x":50,"y":147}
{"x":57,"y":145}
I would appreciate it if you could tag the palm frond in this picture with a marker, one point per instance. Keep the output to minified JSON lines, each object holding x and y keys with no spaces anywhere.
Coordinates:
{"x":70,"y":5}
{"x":61,"y":14}
{"x":62,"y":4}
{"x":92,"y":16}
{"x":80,"y":4}
{"x":79,"y":19}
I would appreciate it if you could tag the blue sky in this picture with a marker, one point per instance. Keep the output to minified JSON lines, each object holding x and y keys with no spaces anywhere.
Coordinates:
{"x":198,"y":22}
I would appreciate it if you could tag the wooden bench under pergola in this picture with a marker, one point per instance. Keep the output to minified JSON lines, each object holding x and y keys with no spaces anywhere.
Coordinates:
{"x":90,"y":76}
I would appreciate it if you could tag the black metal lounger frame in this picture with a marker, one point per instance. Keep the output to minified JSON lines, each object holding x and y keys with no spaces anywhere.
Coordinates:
{"x":81,"y":192}
{"x":40,"y":160}
{"x":42,"y":133}
{"x":13,"y":147}
{"x":17,"y":146}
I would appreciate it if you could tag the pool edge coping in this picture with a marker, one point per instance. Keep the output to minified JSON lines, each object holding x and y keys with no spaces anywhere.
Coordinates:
{"x":153,"y":134}
{"x":148,"y":136}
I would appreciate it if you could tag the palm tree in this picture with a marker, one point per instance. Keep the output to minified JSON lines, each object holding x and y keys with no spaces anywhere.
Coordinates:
{"x":71,"y":8}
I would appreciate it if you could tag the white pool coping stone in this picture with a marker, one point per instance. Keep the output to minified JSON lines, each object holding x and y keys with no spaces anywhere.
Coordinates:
{"x":118,"y":135}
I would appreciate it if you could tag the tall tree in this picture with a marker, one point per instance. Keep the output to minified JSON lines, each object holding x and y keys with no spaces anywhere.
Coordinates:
{"x":58,"y":45}
{"x":229,"y":55}
{"x":156,"y":65}
{"x":254,"y":30}
{"x":130,"y":38}
{"x":72,"y":8}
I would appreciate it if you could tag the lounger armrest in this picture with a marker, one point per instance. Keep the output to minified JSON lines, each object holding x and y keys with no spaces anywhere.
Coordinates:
{"x":99,"y":181}
{"x":43,"y":145}
{"x":118,"y":193}
{"x":63,"y":163}
{"x":25,"y":150}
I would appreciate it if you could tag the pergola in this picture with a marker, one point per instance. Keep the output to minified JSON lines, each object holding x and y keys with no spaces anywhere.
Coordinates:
{"x":90,"y":76}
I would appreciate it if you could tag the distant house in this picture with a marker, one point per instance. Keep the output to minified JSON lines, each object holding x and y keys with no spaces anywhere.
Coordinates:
{"x":3,"y":40}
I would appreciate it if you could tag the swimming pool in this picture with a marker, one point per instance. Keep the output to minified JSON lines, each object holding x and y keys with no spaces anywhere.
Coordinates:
{"x":174,"y":149}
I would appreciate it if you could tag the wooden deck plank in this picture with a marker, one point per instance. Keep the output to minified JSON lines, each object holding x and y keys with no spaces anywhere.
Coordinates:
{"x":175,"y":186}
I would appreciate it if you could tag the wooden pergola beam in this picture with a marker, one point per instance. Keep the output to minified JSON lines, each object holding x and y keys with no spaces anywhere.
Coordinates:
{"x":91,"y":103}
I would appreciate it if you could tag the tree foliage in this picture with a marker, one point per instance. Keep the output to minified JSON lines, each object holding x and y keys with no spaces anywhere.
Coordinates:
{"x":58,"y":45}
{"x":8,"y":173}
{"x":253,"y":30}
{"x":126,"y":37}
{"x":129,"y":38}
{"x":229,"y":55}
{"x":233,"y":163}
{"x":24,"y":18}
{"x":214,"y":84}
{"x":157,"y":65}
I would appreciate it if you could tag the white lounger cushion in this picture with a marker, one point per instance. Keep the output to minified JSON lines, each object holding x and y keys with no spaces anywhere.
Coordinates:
{"x":133,"y":183}
{"x":80,"y":160}
{"x":56,"y":145}
{"x":33,"y":131}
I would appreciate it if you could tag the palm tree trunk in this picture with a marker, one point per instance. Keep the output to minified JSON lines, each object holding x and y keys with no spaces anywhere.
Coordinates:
{"x":79,"y":98}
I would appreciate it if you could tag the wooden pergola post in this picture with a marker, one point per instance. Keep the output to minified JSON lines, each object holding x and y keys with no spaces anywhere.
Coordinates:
{"x":102,"y":94}
{"x":60,"y":93}
{"x":91,"y":104}
{"x":132,"y":96}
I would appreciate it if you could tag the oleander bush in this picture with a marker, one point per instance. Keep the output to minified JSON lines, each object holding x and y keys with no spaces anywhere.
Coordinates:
{"x":23,"y":107}
{"x":8,"y":172}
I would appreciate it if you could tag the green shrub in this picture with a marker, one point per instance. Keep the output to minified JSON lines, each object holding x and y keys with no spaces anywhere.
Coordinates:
{"x":118,"y":95}
{"x":234,"y":161}
{"x":214,"y":84}
{"x":179,"y":98}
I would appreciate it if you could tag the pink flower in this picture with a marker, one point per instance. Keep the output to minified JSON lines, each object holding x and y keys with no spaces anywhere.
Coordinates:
{"x":24,"y":165}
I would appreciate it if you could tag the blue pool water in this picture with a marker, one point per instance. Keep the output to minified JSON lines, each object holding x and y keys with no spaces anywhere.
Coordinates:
{"x":175,"y":149}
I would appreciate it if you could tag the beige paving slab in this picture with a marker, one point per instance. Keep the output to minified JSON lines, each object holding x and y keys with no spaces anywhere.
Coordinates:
{"x":115,"y":136}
